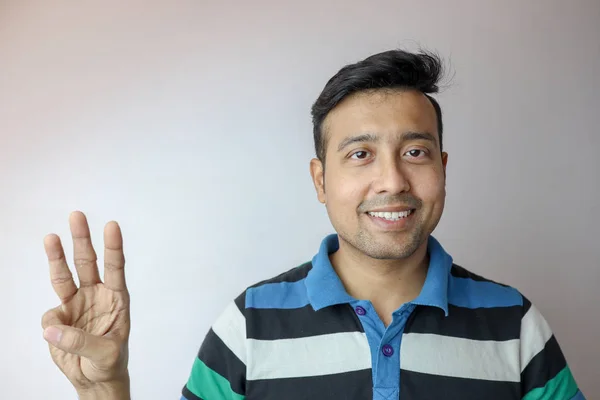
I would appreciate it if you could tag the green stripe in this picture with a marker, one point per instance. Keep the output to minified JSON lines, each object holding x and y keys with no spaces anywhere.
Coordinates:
{"x":561,"y":387}
{"x":209,"y":385}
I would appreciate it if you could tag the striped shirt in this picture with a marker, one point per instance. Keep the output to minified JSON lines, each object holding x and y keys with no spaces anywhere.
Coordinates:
{"x":300,"y":335}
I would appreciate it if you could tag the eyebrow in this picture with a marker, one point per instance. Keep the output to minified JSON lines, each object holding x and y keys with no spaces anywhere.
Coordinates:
{"x":374,"y":138}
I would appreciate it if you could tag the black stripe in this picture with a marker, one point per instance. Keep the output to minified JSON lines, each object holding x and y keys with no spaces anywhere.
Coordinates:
{"x":499,"y":323}
{"x":356,"y":385}
{"x":526,"y":305}
{"x":544,"y":366}
{"x":416,"y":385}
{"x":293,"y":275}
{"x":460,"y":272}
{"x":217,"y":356}
{"x":240,"y":302}
{"x":272,"y":324}
{"x":189,"y":395}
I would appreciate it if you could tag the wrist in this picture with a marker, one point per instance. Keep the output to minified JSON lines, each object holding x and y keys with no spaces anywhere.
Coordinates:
{"x":114,"y":390}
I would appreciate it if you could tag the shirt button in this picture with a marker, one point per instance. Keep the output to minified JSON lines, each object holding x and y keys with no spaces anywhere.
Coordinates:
{"x":360,"y":311}
{"x":387,"y":350}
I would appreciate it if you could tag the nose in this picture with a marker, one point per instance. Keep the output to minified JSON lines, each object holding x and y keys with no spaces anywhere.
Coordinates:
{"x":390,"y":177}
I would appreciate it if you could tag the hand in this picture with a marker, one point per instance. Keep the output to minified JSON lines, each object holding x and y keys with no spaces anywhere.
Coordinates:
{"x":88,"y":332}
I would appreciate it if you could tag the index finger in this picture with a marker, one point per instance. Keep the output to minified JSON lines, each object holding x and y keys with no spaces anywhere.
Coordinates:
{"x":114,"y":258}
{"x":60,"y":274}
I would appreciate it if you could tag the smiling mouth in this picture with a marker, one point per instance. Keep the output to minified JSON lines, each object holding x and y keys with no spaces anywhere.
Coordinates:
{"x":392,"y":216}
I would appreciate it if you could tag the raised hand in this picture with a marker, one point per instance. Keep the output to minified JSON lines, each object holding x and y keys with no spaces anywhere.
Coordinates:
{"x":88,"y":333}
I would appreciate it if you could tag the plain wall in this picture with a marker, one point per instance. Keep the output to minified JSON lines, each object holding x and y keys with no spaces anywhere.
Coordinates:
{"x":188,"y":122}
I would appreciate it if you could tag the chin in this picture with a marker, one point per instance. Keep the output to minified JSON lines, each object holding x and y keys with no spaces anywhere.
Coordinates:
{"x":392,"y":253}
{"x":389,"y":247}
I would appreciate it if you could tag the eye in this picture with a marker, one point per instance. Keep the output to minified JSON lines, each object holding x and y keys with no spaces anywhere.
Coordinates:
{"x":416,"y":153}
{"x":359,"y":155}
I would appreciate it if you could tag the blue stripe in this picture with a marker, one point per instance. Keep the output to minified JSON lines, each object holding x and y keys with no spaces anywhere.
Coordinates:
{"x":278,"y":295}
{"x":468,"y":293}
{"x":578,"y":396}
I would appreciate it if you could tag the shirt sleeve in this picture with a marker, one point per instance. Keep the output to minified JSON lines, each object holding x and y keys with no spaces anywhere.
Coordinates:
{"x":219,"y":370}
{"x":545,"y":374}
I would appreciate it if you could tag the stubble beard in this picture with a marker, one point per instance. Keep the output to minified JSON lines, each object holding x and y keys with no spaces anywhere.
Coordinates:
{"x":387,"y":245}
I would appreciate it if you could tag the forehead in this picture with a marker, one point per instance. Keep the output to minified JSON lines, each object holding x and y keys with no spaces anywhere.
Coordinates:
{"x":386,"y":112}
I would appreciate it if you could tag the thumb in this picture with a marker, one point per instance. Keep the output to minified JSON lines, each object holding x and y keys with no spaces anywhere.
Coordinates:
{"x":101,"y":351}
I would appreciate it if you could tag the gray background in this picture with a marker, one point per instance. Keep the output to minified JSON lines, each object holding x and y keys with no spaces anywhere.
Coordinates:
{"x":188,"y":122}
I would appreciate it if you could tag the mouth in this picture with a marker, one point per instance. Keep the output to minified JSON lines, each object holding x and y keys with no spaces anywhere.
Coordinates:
{"x":391,"y":215}
{"x":392,"y":221}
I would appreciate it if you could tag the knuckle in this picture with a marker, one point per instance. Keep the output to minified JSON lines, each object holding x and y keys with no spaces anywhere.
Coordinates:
{"x":46,"y":319}
{"x":85,"y":261}
{"x":51,"y":317}
{"x":114,"y":265}
{"x":74,"y":340}
{"x":61,"y":279}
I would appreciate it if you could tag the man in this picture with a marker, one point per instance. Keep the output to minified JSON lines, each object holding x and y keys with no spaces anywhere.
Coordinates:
{"x":381,"y":311}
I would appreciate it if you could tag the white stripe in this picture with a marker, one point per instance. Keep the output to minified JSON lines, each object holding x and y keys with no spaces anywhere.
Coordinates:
{"x":535,"y":332}
{"x":461,"y":358}
{"x":310,"y":356}
{"x":230,"y":326}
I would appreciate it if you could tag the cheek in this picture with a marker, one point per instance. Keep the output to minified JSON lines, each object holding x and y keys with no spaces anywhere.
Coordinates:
{"x":430,"y":188}
{"x":345,"y":192}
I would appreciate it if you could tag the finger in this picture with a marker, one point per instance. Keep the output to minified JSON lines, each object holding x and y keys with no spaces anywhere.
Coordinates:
{"x":54,"y":316}
{"x":83,"y":252}
{"x":60,"y":274}
{"x":101,"y":351}
{"x":114,"y":258}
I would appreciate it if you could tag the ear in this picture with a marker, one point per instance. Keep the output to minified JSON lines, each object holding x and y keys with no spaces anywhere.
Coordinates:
{"x":317,"y":174}
{"x":444,"y":162}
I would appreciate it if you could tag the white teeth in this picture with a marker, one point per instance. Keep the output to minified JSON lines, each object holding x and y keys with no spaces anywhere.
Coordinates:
{"x":391,"y":216}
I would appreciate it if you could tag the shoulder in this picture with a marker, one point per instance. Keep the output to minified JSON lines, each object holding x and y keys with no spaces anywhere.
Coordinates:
{"x":502,"y":303}
{"x":281,"y":291}
{"x":471,"y":290}
{"x":291,"y":275}
{"x":459,"y":271}
{"x":267,"y":292}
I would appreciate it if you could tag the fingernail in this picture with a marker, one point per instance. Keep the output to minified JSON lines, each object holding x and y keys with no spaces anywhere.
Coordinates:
{"x":52,"y":334}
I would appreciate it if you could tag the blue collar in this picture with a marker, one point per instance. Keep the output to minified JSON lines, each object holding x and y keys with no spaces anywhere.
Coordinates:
{"x":325,"y":288}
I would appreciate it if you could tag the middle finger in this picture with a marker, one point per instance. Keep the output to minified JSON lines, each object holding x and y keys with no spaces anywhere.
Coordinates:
{"x":83,"y":251}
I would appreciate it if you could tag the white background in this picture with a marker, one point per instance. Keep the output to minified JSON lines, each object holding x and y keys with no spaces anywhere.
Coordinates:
{"x":188,"y":122}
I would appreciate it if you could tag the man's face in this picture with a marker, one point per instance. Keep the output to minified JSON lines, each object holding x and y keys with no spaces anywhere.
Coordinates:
{"x":384,"y":178}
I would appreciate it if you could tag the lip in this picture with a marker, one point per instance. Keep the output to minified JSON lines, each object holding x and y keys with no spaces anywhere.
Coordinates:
{"x":392,"y":209}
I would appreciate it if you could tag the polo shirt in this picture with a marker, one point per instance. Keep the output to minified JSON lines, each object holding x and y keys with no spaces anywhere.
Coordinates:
{"x":300,"y":335}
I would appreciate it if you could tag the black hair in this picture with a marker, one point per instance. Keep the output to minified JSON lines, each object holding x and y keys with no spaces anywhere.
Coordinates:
{"x":394,"y":69}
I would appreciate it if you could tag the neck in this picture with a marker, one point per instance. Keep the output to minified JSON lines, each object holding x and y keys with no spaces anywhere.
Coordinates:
{"x":386,"y":283}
